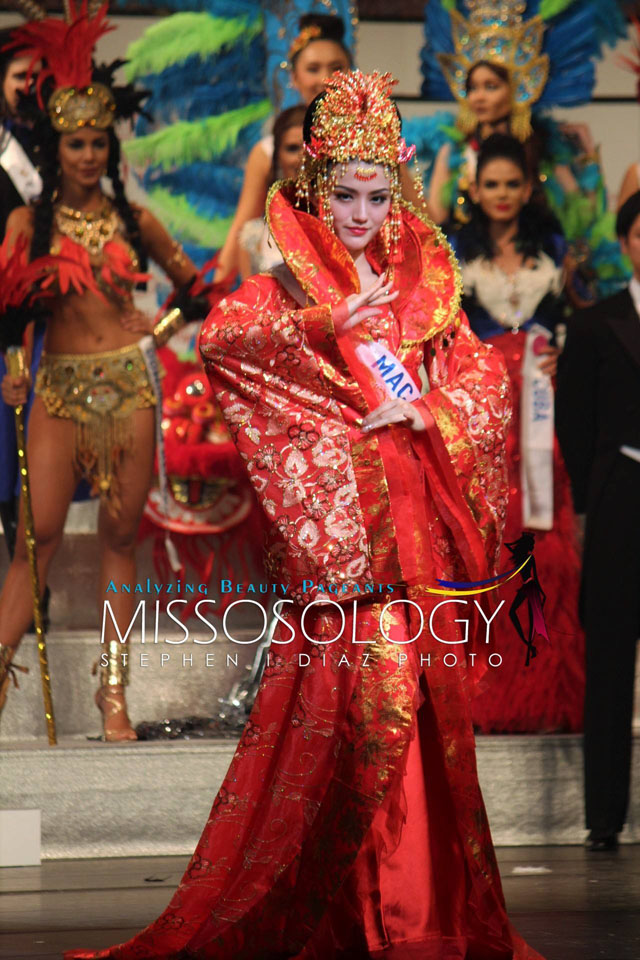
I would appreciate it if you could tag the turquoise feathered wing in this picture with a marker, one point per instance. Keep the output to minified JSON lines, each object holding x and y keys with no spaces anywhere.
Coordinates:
{"x":205,"y":71}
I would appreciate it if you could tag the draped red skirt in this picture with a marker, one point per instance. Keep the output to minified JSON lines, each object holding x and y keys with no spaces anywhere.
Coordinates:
{"x":350,"y":823}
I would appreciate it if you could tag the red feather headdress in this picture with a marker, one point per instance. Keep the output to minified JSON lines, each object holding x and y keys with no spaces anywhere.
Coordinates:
{"x":66,"y":49}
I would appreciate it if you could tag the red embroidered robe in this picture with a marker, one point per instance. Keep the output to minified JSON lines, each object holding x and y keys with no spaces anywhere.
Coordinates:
{"x":350,"y":823}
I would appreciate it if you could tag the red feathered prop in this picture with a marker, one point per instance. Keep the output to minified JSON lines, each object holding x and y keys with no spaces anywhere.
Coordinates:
{"x":217,"y":525}
{"x":17,"y":275}
{"x":21,"y":283}
{"x":118,"y":268}
{"x":73,"y":270}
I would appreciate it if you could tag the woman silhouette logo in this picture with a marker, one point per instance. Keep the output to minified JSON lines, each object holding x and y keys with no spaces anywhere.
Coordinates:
{"x":531,"y":591}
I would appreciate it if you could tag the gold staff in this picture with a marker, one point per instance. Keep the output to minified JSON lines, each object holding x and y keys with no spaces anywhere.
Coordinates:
{"x":17,"y":368}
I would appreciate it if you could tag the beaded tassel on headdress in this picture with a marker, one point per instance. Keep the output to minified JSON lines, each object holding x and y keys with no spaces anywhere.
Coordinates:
{"x":356,"y":119}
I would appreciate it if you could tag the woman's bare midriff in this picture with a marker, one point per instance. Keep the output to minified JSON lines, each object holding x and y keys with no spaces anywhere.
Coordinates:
{"x":86,"y":324}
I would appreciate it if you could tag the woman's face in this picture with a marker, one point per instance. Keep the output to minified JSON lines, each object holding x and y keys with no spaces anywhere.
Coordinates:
{"x":83,"y":157}
{"x":290,"y":152}
{"x":630,"y":245}
{"x":488,"y":95}
{"x":359,"y":206}
{"x":15,"y":82}
{"x":314,"y":65}
{"x":501,"y":190}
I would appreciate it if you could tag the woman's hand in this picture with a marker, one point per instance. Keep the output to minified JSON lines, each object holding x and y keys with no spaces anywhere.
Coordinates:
{"x":549,"y":362}
{"x":361,"y":306}
{"x":394,"y":411}
{"x":15,"y":390}
{"x":135,"y":321}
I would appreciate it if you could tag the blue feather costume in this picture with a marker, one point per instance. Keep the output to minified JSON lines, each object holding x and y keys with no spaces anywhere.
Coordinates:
{"x":574,"y":34}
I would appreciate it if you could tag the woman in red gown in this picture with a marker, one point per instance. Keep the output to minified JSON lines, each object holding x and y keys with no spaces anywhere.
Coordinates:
{"x":512,"y":258}
{"x":351,"y":823}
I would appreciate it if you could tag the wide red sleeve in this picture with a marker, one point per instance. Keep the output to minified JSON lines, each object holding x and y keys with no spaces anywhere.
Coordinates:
{"x":287,"y":404}
{"x":467,"y":412}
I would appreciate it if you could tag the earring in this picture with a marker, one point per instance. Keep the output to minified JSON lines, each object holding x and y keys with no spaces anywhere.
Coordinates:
{"x":385,"y":236}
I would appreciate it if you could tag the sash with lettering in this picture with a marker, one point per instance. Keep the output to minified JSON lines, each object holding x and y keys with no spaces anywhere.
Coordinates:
{"x":389,"y":375}
{"x":536,"y":436}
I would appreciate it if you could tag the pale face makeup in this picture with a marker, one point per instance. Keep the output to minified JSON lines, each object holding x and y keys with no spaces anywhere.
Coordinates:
{"x":360,"y":206}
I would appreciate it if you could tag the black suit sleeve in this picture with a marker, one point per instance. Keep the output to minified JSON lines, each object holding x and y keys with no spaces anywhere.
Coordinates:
{"x":576,"y":399}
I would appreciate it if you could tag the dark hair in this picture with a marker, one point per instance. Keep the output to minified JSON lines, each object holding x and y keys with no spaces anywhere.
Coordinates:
{"x":497,"y":68}
{"x":309,"y":115}
{"x":48,"y":140}
{"x":537,"y":226}
{"x":628,"y":214}
{"x":331,"y":28}
{"x":501,"y":146}
{"x":293,"y":117}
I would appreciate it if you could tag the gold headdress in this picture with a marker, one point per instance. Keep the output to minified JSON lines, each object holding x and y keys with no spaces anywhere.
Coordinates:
{"x":355,"y":119}
{"x":496,"y":33}
{"x":66,"y":49}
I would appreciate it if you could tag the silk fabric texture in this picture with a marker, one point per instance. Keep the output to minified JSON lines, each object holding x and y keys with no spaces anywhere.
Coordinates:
{"x":351,"y":823}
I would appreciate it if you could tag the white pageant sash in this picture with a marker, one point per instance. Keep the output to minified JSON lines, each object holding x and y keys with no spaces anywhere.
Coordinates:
{"x":16,"y":163}
{"x":387,"y":371}
{"x":536,"y":436}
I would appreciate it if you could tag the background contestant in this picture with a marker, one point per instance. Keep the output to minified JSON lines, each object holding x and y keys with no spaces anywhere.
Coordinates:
{"x":315,"y":54}
{"x":93,"y":412}
{"x":512,"y":257}
{"x":19,"y":184}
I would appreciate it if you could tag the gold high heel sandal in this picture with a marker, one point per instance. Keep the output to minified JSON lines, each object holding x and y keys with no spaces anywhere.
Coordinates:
{"x":8,"y":672}
{"x":109,"y":696}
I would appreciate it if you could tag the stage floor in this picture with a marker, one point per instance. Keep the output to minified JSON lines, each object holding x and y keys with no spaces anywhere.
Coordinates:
{"x":575,"y":906}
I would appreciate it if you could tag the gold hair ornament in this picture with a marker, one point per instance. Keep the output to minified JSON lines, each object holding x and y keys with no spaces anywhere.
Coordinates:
{"x":304,"y":38}
{"x":356,"y":120}
{"x":71,"y":109}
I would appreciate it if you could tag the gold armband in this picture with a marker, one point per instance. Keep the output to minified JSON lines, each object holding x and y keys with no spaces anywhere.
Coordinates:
{"x":178,"y":258}
{"x":16,"y":362}
{"x":167,"y":326}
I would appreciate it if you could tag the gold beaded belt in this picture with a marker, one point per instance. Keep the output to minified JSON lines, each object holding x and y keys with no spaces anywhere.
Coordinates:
{"x":99,"y":392}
